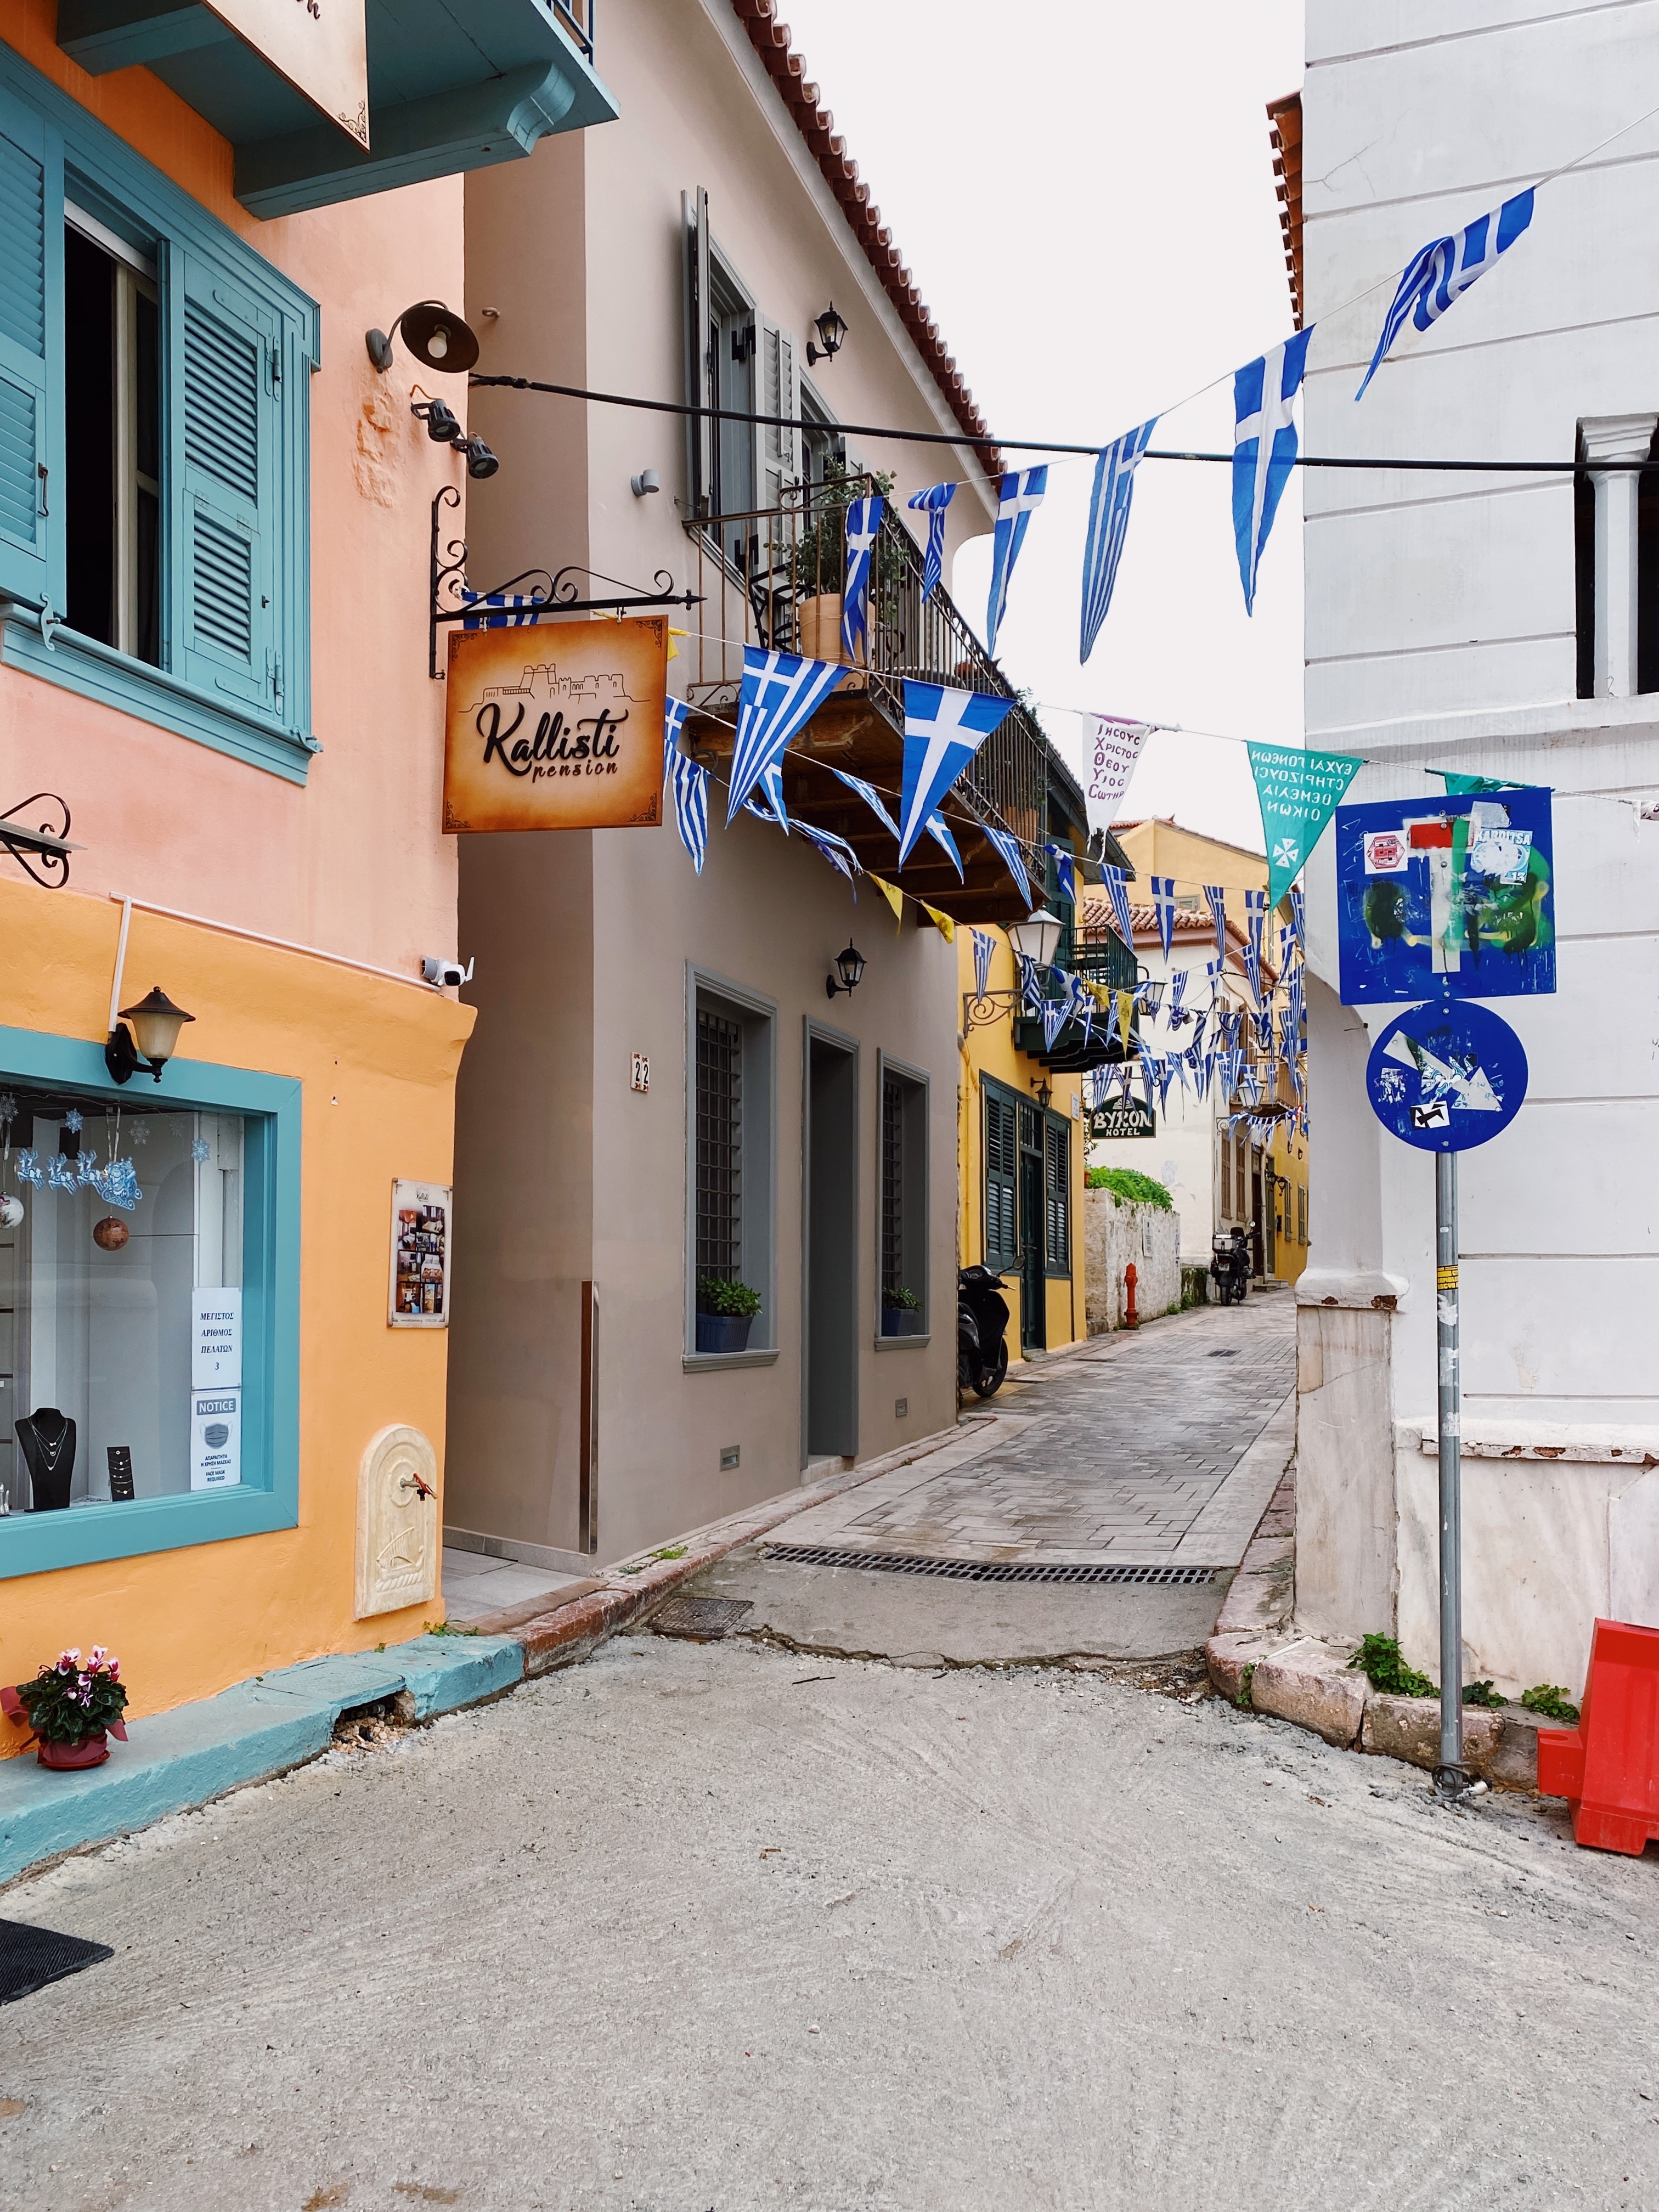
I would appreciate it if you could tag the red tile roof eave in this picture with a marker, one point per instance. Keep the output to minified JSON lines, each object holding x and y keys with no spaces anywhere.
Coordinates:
{"x":770,"y":40}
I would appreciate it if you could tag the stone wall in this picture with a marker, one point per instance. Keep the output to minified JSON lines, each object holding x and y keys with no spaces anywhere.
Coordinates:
{"x":1114,"y":1233}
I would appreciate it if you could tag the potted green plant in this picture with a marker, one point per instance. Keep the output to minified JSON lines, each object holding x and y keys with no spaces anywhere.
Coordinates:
{"x":725,"y":1312}
{"x":901,"y":1313}
{"x":73,"y":1706}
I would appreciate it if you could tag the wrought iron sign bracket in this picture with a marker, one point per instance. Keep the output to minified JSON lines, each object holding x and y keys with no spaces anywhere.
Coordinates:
{"x":48,"y":846}
{"x":537,"y":592}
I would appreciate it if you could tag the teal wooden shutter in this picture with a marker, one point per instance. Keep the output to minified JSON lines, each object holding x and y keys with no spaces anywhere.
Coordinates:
{"x":229,"y":354}
{"x":1001,"y":1173}
{"x":1058,"y":1225}
{"x":31,"y":347}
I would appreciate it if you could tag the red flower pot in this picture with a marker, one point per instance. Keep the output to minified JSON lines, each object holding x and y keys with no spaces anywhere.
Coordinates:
{"x":91,"y":1751}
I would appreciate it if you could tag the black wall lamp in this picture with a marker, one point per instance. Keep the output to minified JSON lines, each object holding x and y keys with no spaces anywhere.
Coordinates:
{"x":832,"y":330}
{"x":150,"y":1042}
{"x":849,"y":966}
{"x":443,"y":430}
{"x":437,"y":338}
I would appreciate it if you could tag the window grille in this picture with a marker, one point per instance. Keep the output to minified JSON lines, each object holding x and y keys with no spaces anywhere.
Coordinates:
{"x":892,"y":1185}
{"x":720,"y":1145}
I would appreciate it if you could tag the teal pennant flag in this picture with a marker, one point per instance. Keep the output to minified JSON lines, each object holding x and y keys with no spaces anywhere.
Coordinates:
{"x":1298,"y":793}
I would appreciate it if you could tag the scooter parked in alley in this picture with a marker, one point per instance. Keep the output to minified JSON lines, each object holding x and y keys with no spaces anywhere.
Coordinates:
{"x":981,"y":1331}
{"x":1230,"y":1263}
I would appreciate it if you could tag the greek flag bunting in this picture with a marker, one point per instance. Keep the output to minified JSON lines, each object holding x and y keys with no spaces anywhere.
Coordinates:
{"x":984,"y":946}
{"x":1215,"y":896}
{"x":1031,"y":990}
{"x":1298,"y":915}
{"x":932,"y":503}
{"x":1264,"y":448}
{"x":1020,"y":496}
{"x":767,"y":800}
{"x":1117,"y":890}
{"x":1444,"y":271}
{"x":863,"y":520}
{"x":836,"y":850}
{"x":515,"y":609}
{"x":1177,"y":993}
{"x":1054,"y":1012}
{"x":943,"y":730}
{"x":691,"y":806}
{"x":1008,"y":846}
{"x":941,"y":835}
{"x":1109,"y":525}
{"x":868,"y":792}
{"x":1163,"y":898}
{"x":1065,"y":872}
{"x":780,"y":694}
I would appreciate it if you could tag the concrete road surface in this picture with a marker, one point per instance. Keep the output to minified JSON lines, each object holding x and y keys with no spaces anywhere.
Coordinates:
{"x":716,"y":1925}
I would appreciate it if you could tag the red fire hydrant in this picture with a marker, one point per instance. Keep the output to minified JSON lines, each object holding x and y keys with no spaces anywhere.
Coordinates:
{"x":1131,"y":1318}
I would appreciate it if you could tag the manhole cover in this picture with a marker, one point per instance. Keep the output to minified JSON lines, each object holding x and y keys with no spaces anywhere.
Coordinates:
{"x":701,"y":1620}
{"x":32,"y":1957}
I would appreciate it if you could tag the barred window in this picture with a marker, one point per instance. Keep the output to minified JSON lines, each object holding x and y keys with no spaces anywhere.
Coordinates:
{"x":901,"y":1258}
{"x":892,"y":1185}
{"x":720,"y":1145}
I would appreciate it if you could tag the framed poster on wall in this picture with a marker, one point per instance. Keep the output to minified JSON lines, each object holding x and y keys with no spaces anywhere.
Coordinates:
{"x":421,"y":1214}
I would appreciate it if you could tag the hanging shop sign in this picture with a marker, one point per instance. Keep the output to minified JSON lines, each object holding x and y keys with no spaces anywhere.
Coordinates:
{"x":1455,"y":896}
{"x":556,"y":728}
{"x":1123,"y":1117}
{"x":321,"y":47}
{"x":420,"y":1216}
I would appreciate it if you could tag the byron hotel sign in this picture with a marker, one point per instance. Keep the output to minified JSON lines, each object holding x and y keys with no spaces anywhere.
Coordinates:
{"x":556,"y":728}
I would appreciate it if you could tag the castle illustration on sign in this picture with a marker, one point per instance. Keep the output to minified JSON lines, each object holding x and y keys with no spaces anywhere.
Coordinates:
{"x":543,"y":681}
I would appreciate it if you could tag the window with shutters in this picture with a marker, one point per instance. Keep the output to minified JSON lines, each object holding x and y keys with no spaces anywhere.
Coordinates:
{"x":1057,"y":1197}
{"x":901,"y":1254}
{"x":153,"y":441}
{"x":731,"y":1107}
{"x":1001,"y":1178}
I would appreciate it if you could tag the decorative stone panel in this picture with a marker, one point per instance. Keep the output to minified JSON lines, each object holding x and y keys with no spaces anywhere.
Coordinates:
{"x":398,"y":1531}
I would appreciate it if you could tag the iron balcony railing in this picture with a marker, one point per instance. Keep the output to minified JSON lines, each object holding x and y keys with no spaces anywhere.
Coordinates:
{"x":1099,"y":955}
{"x":773,"y":577}
{"x":575,"y":18}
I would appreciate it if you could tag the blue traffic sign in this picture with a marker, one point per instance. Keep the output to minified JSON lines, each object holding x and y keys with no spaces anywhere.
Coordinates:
{"x":1447,"y":1077}
{"x":1454,"y":894}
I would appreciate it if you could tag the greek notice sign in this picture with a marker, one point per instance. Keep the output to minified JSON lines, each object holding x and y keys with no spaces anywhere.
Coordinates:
{"x":1111,"y":747}
{"x":1298,"y":793}
{"x":216,"y":1341}
{"x":1123,"y":1117}
{"x":320,"y":46}
{"x":1455,"y":896}
{"x":215,"y":1439}
{"x":557,"y":727}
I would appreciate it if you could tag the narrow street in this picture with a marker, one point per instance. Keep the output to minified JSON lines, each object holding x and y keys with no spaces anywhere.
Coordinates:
{"x":725,"y":1926}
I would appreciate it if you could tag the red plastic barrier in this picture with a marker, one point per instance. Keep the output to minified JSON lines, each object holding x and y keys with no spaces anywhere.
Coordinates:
{"x":1607,"y":1767}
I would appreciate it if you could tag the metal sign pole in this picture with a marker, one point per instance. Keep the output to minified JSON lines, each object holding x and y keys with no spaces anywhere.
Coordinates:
{"x":1450,"y":1779}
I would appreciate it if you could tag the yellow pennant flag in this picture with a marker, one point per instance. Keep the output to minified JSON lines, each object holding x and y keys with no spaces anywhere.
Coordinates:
{"x":1102,"y":997}
{"x":1126,"y":1004}
{"x":894,"y":897}
{"x":942,"y":922}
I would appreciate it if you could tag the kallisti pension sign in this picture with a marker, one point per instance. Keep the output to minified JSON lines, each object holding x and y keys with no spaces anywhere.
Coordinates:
{"x":556,"y":728}
{"x":320,"y":46}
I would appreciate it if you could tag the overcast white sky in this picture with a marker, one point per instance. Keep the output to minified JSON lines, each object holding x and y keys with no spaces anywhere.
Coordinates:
{"x":1083,"y":192}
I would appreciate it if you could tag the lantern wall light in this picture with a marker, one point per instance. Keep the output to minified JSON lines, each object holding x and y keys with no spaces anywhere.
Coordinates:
{"x":832,"y":332}
{"x":151,"y":1041}
{"x":1037,"y":937}
{"x":849,"y":966}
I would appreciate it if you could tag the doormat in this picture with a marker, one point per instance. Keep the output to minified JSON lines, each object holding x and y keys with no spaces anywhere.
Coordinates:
{"x":32,"y":1957}
{"x":701,"y":1620}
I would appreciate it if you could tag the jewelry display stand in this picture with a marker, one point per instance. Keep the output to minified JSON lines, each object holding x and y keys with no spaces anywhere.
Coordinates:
{"x":46,"y":1439}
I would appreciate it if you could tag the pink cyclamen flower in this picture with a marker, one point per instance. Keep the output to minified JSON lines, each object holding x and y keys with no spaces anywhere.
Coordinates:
{"x":98,"y":1652}
{"x":114,"y":1669}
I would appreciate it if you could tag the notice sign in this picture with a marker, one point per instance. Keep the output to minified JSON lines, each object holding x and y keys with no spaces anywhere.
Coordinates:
{"x":215,"y":1439}
{"x":420,"y":1255}
{"x":321,"y":46}
{"x":556,"y":728}
{"x":215,"y":1340}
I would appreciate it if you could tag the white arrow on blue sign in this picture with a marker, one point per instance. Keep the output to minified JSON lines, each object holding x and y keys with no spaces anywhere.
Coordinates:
{"x":1447,"y":1076}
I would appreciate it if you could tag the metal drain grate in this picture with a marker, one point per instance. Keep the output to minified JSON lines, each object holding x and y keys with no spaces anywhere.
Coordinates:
{"x":991,"y":1570}
{"x":701,"y":1620}
{"x":32,"y":1957}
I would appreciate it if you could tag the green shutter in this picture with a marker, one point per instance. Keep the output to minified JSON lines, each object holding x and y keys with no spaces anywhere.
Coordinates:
{"x":1057,"y":1224}
{"x":228,"y":352}
{"x":31,"y":346}
{"x":1002,"y":1183}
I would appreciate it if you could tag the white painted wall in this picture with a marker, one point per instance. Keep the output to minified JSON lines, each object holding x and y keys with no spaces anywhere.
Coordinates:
{"x":1441,"y":632}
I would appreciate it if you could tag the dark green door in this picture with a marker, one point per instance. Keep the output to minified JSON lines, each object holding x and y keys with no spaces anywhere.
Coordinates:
{"x":1033,"y":1285}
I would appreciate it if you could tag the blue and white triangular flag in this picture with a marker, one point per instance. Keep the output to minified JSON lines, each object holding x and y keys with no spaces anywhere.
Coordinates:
{"x":1164,"y":899}
{"x":1012,"y":859}
{"x":1445,"y":269}
{"x":1020,"y":496}
{"x":984,"y":945}
{"x":836,"y":850}
{"x":941,"y":835}
{"x":766,"y":799}
{"x":1264,"y":448}
{"x":863,"y":521}
{"x":780,"y":694}
{"x":1054,"y":1012}
{"x":690,"y":805}
{"x":1065,"y":872}
{"x":1117,"y":890}
{"x":1177,"y":993}
{"x":932,"y":503}
{"x":1215,"y":894}
{"x":943,"y":730}
{"x":868,"y":792}
{"x":1031,"y":990}
{"x":1108,"y":524}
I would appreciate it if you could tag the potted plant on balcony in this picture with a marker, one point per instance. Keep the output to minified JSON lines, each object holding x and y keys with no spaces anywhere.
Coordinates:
{"x":820,"y":559}
{"x":725,"y":1312}
{"x":901,"y":1313}
{"x":73,"y":1706}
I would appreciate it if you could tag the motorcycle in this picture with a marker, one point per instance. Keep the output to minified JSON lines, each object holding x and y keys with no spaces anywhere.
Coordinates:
{"x":981,"y":1331}
{"x":1229,"y":1264}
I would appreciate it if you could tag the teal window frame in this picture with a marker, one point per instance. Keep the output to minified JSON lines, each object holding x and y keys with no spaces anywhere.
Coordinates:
{"x":258,"y":708}
{"x":268,"y":1495}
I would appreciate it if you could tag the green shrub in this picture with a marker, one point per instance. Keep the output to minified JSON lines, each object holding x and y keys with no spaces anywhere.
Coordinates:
{"x":719,"y":1294}
{"x":1131,"y":1188}
{"x":1551,"y":1699}
{"x":1379,"y":1661}
{"x":1481,"y":1693}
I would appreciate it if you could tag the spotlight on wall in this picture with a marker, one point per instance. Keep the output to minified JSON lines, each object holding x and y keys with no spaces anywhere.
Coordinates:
{"x":150,"y":1042}
{"x":849,"y":966}
{"x":439,"y":417}
{"x":831,"y":330}
{"x":437,"y":338}
{"x":480,"y":461}
{"x":646,"y":482}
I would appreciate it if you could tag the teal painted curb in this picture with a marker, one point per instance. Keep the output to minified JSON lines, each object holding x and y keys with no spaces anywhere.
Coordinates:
{"x":257,"y":1728}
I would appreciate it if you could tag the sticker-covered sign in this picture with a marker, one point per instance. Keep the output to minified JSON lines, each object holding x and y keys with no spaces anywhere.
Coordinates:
{"x":1447,"y":1077}
{"x":1454,"y":895}
{"x":420,"y":1255}
{"x":557,"y":727}
{"x":215,"y":1439}
{"x":215,"y":1340}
